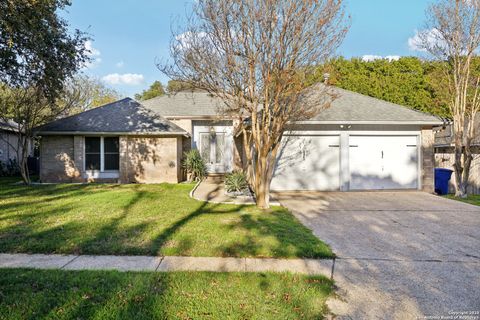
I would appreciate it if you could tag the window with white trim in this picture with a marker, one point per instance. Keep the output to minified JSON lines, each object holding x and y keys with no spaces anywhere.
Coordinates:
{"x":102,"y":154}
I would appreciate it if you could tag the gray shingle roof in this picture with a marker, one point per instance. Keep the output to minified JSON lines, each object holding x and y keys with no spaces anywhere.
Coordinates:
{"x":185,"y":104}
{"x":355,"y":107}
{"x":348,"y":107}
{"x":8,"y":125}
{"x":123,"y":116}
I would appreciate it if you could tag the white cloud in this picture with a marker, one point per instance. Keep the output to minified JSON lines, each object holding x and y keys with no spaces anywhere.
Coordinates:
{"x":129,"y":79}
{"x":371,"y":57}
{"x":414,"y":43}
{"x":120,"y":64}
{"x":184,"y":40}
{"x":94,"y":55}
{"x":432,"y":37}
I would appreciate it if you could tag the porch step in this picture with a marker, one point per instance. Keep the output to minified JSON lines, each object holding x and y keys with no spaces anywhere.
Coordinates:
{"x":215,"y":178}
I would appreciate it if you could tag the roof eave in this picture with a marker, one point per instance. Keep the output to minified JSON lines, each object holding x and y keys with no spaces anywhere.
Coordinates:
{"x":108,"y":133}
{"x":212,"y":117}
{"x":380,"y":122}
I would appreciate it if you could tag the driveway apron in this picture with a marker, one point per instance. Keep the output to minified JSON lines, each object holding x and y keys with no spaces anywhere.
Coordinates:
{"x":401,"y":255}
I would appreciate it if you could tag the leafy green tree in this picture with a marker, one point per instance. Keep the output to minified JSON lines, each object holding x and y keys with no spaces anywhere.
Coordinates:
{"x":408,"y":81}
{"x":155,"y":90}
{"x":38,"y":54}
{"x":177,"y":85}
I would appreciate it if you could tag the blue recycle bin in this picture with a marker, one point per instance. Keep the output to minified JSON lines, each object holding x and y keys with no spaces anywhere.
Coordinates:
{"x":442,"y":177}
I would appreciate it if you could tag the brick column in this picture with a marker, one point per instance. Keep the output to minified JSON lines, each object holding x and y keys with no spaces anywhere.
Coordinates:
{"x":123,"y":158}
{"x":428,"y":160}
{"x":78,"y":158}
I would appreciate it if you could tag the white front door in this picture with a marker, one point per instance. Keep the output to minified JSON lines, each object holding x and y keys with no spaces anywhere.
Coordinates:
{"x":308,"y":163}
{"x":212,"y":149}
{"x":383,"y":162}
{"x":214,"y":141}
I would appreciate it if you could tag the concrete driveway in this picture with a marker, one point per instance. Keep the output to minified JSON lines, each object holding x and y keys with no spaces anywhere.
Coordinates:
{"x":401,"y":255}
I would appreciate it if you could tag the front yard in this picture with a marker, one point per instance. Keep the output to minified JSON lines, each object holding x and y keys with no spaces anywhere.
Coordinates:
{"x":35,"y":294}
{"x":144,"y":220}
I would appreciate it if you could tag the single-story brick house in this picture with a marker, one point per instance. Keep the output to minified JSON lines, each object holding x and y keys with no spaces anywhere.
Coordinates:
{"x":358,"y":143}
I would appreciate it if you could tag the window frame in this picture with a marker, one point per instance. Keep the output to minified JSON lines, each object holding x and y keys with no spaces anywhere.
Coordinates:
{"x":102,"y":155}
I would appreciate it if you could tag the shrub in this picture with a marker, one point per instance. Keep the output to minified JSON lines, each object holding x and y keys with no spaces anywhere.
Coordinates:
{"x":9,"y":169}
{"x":236,"y":182}
{"x":194,"y":165}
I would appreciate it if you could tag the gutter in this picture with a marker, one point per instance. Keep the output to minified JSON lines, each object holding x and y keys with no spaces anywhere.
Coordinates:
{"x":418,"y":122}
{"x":96,"y":133}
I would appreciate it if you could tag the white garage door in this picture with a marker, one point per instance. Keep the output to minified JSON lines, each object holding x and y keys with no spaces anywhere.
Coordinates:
{"x":383,"y":162}
{"x":308,"y":163}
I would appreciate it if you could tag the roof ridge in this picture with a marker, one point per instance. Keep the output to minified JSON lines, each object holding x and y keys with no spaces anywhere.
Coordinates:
{"x":122,"y":103}
{"x":86,"y":111}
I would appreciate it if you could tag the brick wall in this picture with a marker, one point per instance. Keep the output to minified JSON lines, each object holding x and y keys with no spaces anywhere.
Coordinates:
{"x":57,"y":159}
{"x":142,"y":159}
{"x":150,"y":159}
{"x":185,"y":124}
{"x":428,"y":160}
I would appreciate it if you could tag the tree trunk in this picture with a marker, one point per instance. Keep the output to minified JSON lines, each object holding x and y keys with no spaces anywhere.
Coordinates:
{"x":262,"y":189}
{"x":263,"y":194}
{"x":22,"y":158}
{"x":463,"y":161}
{"x":467,"y":163}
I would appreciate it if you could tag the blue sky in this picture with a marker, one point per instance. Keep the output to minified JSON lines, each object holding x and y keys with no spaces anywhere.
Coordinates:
{"x":129,"y":35}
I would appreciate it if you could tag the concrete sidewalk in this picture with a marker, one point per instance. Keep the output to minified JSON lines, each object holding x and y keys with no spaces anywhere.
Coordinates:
{"x":214,"y":191}
{"x":165,"y":264}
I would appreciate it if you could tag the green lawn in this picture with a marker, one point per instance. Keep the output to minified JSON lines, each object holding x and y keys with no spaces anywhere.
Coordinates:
{"x":144,"y":220}
{"x":35,"y":294}
{"x":472,"y":199}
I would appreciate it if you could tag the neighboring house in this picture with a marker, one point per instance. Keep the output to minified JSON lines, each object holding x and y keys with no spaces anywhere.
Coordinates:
{"x":445,"y":157}
{"x":359,"y":143}
{"x":8,"y":141}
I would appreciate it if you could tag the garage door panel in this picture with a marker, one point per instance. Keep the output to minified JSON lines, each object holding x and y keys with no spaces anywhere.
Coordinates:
{"x":308,"y":163}
{"x":383,"y":162}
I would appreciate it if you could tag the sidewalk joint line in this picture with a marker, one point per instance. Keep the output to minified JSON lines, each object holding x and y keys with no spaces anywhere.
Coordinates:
{"x":66,"y":264}
{"x":333,"y":268}
{"x":161,"y":260}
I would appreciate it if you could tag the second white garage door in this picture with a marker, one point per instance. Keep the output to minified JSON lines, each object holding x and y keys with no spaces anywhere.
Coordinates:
{"x":308,"y":163}
{"x":383,"y":162}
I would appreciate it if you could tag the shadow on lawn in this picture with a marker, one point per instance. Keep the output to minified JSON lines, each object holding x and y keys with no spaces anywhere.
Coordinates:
{"x":292,"y":238}
{"x":29,"y":294}
{"x":60,"y":219}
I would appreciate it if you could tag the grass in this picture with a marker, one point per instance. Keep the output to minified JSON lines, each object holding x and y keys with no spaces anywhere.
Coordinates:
{"x":144,"y":220}
{"x":54,"y":294}
{"x":472,"y":199}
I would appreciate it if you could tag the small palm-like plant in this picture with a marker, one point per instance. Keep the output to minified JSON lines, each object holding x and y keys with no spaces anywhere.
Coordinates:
{"x":236,"y":182}
{"x":194,"y":165}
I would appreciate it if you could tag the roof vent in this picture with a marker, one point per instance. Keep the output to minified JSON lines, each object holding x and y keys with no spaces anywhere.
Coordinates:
{"x":326,"y":76}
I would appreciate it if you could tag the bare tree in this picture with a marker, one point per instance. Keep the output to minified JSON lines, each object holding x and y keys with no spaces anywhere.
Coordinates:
{"x":82,"y":93}
{"x":30,"y":108}
{"x":255,"y":56}
{"x":453,"y":36}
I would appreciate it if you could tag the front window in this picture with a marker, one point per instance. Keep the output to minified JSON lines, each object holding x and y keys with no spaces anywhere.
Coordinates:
{"x":111,"y":158}
{"x":92,"y":153}
{"x":102,"y":153}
